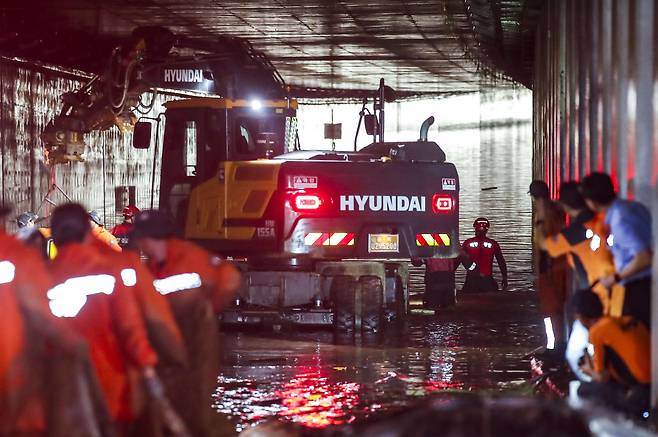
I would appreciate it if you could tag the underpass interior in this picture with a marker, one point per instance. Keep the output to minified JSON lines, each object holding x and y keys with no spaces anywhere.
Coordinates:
{"x":515,"y":89}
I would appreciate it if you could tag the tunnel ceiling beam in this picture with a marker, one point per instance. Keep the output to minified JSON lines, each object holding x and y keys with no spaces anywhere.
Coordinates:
{"x":420,"y":47}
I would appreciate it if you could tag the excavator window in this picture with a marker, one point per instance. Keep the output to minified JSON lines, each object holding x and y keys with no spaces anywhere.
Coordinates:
{"x":190,"y":156}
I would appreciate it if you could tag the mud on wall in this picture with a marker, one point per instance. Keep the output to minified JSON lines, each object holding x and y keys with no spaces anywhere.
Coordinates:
{"x":29,"y":98}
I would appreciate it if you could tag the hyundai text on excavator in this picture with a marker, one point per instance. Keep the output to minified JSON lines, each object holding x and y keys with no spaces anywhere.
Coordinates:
{"x":325,"y":236}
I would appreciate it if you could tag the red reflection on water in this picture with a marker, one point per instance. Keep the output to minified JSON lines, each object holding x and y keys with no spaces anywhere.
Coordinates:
{"x":312,"y":400}
{"x":432,"y":386}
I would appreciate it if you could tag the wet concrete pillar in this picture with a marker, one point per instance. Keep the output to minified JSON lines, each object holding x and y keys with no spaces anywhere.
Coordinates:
{"x":564,"y":115}
{"x":607,"y":86}
{"x":572,"y":33}
{"x":594,"y":83}
{"x":643,"y":28}
{"x":645,"y":157}
{"x":583,"y":64}
{"x":622,"y":81}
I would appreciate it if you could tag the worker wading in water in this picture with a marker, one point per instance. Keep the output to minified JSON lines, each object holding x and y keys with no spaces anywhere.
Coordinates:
{"x":122,"y":230}
{"x":479,"y":253}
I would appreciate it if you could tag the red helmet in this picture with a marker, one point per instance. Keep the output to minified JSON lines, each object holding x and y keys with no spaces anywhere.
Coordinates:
{"x":130,"y":211}
{"x":481,"y":224}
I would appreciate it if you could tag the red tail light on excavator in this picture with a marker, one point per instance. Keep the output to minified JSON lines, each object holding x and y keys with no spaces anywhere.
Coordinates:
{"x":442,"y":204}
{"x":302,"y":201}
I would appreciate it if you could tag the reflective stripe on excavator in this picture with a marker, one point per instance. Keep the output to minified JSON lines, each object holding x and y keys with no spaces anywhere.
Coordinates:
{"x":432,"y":240}
{"x":329,"y":239}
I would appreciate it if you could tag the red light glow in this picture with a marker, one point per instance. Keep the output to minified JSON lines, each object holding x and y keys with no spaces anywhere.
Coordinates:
{"x":305,"y":202}
{"x":442,"y":204}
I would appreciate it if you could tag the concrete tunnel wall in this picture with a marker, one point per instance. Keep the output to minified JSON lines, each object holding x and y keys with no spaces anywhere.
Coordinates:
{"x":595,"y":105}
{"x":29,"y":98}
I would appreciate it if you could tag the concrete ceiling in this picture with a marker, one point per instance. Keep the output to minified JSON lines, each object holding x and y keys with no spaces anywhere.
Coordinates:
{"x":321,"y":47}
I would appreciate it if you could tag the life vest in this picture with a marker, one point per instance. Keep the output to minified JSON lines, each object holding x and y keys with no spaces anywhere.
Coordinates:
{"x":481,"y":251}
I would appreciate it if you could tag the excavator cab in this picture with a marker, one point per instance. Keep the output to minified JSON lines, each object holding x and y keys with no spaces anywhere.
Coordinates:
{"x":202,"y":133}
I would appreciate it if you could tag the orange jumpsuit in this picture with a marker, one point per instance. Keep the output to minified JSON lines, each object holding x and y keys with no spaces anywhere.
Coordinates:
{"x":622,"y":348}
{"x":589,"y":256}
{"x":26,"y":341}
{"x":220,"y":279}
{"x":91,"y":297}
{"x":161,"y":325}
{"x":551,"y":274}
{"x":104,"y":235}
{"x":197,"y":284}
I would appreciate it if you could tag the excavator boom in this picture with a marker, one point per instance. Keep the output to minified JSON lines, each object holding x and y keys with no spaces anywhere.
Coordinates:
{"x":154,"y":58}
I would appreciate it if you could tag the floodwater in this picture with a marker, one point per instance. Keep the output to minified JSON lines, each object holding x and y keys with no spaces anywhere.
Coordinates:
{"x":317,"y":379}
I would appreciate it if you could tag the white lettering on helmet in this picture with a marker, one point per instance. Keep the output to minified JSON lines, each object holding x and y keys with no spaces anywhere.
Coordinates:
{"x":180,"y":282}
{"x":129,"y":277}
{"x":68,"y":298}
{"x":383,"y":203}
{"x":7,"y":272}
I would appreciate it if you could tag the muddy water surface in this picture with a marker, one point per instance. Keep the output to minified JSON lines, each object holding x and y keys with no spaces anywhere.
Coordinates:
{"x":318,"y":379}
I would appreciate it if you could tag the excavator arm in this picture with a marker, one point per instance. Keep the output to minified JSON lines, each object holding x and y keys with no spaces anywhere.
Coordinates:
{"x":154,"y":58}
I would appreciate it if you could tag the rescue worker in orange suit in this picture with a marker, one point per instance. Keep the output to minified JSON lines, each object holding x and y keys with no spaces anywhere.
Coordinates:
{"x":479,"y":253}
{"x":90,"y":296}
{"x":621,"y":365}
{"x":197,"y":284}
{"x":32,"y":339}
{"x":122,"y":230}
{"x":98,"y":231}
{"x":161,"y":326}
{"x":578,"y":240}
{"x":551,"y":273}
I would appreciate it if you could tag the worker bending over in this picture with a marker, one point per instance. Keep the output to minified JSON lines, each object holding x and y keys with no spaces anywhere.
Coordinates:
{"x":91,"y":297}
{"x":630,"y":241}
{"x":620,"y":365}
{"x":480,"y":252}
{"x":589,"y":258}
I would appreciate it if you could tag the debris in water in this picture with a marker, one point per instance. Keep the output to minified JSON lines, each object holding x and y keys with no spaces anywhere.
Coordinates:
{"x":489,"y":188}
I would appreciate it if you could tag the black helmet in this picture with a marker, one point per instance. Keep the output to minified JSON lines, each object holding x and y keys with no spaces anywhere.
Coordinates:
{"x":152,"y":224}
{"x":539,"y":189}
{"x":27,"y":219}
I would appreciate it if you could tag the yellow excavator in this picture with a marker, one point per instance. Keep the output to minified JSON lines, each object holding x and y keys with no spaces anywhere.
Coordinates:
{"x":325,"y":236}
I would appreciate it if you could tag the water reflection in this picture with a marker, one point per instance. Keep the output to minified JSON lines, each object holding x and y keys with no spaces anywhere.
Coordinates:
{"x":317,"y":379}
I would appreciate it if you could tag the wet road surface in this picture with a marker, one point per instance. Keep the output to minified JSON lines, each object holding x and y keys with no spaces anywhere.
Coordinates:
{"x":318,"y":379}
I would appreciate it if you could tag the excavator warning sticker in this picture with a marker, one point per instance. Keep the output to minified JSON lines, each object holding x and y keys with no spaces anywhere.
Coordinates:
{"x":449,"y":184}
{"x":304,"y":182}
